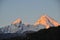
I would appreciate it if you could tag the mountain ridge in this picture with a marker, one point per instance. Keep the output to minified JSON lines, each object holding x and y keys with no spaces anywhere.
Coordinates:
{"x":46,"y":21}
{"x":17,"y":25}
{"x":31,"y":32}
{"x":18,"y":20}
{"x":53,"y":33}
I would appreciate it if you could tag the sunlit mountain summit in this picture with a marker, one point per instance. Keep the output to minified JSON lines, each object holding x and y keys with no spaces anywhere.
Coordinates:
{"x":17,"y":21}
{"x":46,"y":21}
{"x":18,"y":27}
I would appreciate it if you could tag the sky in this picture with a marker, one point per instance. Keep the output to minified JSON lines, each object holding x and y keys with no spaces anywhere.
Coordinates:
{"x":29,"y":11}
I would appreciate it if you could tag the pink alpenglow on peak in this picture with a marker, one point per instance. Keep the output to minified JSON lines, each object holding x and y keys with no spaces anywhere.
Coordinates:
{"x":55,"y":23}
{"x":45,"y":20}
{"x":17,"y":21}
{"x":42,"y":21}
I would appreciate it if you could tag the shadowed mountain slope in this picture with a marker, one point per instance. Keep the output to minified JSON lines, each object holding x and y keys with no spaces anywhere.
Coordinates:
{"x":52,"y":33}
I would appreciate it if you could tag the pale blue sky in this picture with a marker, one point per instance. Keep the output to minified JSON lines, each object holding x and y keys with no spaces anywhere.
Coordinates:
{"x":28,"y":10}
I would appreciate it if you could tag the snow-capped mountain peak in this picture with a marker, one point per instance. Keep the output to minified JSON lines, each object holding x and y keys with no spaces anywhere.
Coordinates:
{"x":52,"y":21}
{"x":46,"y":21}
{"x":42,"y":21}
{"x":17,"y":21}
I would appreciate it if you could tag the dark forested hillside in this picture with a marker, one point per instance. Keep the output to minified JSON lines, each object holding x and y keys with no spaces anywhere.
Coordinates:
{"x":52,"y":33}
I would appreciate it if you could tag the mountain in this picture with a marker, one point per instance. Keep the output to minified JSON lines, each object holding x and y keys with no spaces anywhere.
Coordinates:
{"x":53,"y":33}
{"x":46,"y":21}
{"x":54,"y":22}
{"x":17,"y":21}
{"x":13,"y":27}
{"x":18,"y":29}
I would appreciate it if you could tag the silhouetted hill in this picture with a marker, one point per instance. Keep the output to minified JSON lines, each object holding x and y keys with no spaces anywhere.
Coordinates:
{"x":52,"y":33}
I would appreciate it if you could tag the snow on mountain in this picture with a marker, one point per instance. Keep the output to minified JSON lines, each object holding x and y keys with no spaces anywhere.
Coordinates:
{"x":17,"y":21}
{"x":18,"y":27}
{"x":46,"y":21}
{"x":54,"y":22}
